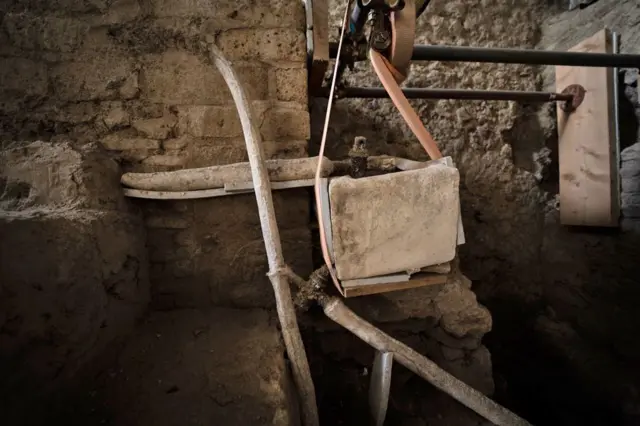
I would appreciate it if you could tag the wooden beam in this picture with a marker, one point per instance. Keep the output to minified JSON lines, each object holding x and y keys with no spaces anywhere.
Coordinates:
{"x":418,"y":280}
{"x":587,"y":145}
{"x":320,"y":59}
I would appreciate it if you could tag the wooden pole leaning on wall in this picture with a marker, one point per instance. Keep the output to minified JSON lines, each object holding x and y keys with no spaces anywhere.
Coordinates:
{"x":587,"y":142}
{"x":278,"y":270}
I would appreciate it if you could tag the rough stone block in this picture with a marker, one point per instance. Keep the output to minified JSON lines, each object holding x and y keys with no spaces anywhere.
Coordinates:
{"x":155,"y":128}
{"x":116,"y":142}
{"x":475,"y":321}
{"x":225,"y":14}
{"x":178,"y":77}
{"x":176,"y":143}
{"x":209,"y":121}
{"x":168,"y":161}
{"x":291,"y":84}
{"x":96,"y":78}
{"x":395,"y":222}
{"x":279,"y":121}
{"x":286,"y":123}
{"x":399,"y":306}
{"x":44,"y":174}
{"x":21,"y":80}
{"x":119,"y":11}
{"x":116,"y":116}
{"x":141,"y":109}
{"x":79,"y":113}
{"x":266,"y":45}
{"x":631,"y":205}
{"x":455,"y":297}
{"x":214,"y":152}
{"x":223,"y":365}
{"x":30,"y":32}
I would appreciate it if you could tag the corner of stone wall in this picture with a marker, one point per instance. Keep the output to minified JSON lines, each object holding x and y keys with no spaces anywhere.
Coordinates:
{"x":72,"y":260}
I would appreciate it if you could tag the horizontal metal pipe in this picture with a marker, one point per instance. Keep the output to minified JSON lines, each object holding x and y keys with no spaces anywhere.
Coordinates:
{"x":478,"y":95}
{"x":518,"y":56}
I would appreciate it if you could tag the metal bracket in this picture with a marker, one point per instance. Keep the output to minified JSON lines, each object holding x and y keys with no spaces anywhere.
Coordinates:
{"x":577,"y":93}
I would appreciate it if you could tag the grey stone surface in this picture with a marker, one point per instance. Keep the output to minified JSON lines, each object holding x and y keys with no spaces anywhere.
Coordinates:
{"x":395,"y":222}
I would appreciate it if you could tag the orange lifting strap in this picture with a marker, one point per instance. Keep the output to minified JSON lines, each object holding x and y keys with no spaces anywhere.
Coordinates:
{"x":391,"y":73}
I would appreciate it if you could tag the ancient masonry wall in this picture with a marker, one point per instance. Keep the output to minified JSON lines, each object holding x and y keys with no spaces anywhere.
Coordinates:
{"x":91,"y":88}
{"x":125,"y":83}
{"x":550,"y":289}
{"x":128,"y":74}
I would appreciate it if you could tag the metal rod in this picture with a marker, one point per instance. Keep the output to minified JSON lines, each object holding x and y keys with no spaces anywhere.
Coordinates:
{"x":273,"y":246}
{"x":616,"y":110}
{"x":478,"y":95}
{"x":518,"y":56}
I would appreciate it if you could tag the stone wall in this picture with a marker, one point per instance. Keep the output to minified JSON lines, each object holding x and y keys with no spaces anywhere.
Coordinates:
{"x":563,"y":300}
{"x":130,"y":74}
{"x":73,"y":267}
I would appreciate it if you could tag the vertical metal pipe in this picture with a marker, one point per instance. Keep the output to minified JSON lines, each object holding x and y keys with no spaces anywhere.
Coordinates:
{"x":616,"y":109}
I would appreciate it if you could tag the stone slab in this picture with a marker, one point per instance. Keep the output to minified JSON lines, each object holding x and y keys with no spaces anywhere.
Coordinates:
{"x":194,"y":367}
{"x":394,"y":223}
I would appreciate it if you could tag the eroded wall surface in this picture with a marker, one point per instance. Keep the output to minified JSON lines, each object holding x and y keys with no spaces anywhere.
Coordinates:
{"x":73,"y":266}
{"x":566,"y":295}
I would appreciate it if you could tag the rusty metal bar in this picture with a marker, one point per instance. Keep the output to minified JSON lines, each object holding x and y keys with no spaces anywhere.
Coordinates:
{"x":518,"y":56}
{"x":478,"y":95}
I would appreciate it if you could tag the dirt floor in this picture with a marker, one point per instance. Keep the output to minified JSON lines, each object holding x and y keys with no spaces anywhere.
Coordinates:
{"x":563,"y":300}
{"x":186,"y":367}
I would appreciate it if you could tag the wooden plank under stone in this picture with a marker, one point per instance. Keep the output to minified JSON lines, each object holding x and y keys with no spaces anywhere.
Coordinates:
{"x":587,"y":146}
{"x":418,"y":280}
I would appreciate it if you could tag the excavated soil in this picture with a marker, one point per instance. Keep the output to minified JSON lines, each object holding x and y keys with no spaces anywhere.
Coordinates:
{"x":185,"y":367}
{"x":562,"y":299}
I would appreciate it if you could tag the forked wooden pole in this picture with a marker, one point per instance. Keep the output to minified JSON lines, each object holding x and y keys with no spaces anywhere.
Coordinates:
{"x":277,"y":268}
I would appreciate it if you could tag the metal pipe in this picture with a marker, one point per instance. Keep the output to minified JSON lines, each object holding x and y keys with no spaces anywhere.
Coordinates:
{"x":477,"y":95}
{"x":337,"y":311}
{"x":518,"y":56}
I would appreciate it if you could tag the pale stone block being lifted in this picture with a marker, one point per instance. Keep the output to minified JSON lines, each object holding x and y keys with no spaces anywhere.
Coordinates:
{"x":394,"y":223}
